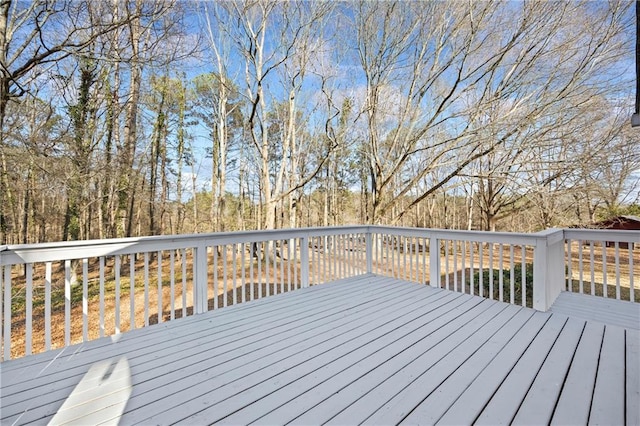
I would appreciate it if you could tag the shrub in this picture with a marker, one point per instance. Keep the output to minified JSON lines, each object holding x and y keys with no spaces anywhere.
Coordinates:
{"x":506,"y":283}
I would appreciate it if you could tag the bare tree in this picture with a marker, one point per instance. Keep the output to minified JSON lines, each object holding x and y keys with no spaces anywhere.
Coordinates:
{"x":455,"y":114}
{"x":439,"y":67}
{"x":273,"y":36}
{"x":34,"y":36}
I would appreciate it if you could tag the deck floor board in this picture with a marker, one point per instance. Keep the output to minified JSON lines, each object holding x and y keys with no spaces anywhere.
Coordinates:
{"x":633,"y":377}
{"x":577,"y":392}
{"x":408,"y":387}
{"x":434,"y":405}
{"x":367,"y":349}
{"x":354,"y":346}
{"x":607,"y":406}
{"x":383,"y":362}
{"x":538,"y":405}
{"x":230,"y":381}
{"x":168,"y":353}
{"x":211,"y":349}
{"x":503,"y":405}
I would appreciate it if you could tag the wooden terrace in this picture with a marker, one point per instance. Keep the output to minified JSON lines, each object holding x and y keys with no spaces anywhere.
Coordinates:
{"x":368,"y":348}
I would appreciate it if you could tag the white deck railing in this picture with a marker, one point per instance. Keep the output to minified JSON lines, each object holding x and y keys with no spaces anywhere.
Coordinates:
{"x":57,"y":294}
{"x":602,"y":263}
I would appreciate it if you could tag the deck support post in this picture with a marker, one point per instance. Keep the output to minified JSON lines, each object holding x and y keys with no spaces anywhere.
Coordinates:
{"x":304,"y":262}
{"x":200,"y":281}
{"x":369,"y":251}
{"x":6,"y":316}
{"x":548,"y":268}
{"x":2,"y":319}
{"x":434,"y":262}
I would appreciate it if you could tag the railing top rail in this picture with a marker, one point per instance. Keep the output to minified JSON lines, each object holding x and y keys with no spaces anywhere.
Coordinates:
{"x":54,"y":251}
{"x":613,"y":235}
{"x":255,"y":235}
{"x":517,"y":238}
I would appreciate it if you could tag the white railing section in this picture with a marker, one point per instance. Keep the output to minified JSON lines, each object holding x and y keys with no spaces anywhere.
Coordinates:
{"x":57,"y":294}
{"x":602,"y":263}
{"x":495,"y":265}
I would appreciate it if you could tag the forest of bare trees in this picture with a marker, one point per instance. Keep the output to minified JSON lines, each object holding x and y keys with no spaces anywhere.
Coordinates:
{"x":146,"y":117}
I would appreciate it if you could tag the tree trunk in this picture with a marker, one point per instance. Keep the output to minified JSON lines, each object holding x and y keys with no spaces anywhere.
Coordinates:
{"x":128,"y":185}
{"x":6,"y":196}
{"x":220,"y":191}
{"x":179,"y":220}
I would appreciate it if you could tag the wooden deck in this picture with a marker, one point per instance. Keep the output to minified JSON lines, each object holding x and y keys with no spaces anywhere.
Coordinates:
{"x":365,"y":350}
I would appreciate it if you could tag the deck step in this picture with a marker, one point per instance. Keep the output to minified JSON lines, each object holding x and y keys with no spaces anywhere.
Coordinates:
{"x":607,"y":311}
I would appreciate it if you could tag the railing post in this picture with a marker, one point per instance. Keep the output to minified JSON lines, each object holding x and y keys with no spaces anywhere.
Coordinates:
{"x":434,"y":262}
{"x":6,"y":286}
{"x":2,"y":319}
{"x":369,"y":251}
{"x":548,"y":268}
{"x":304,"y":262}
{"x":200,"y":279}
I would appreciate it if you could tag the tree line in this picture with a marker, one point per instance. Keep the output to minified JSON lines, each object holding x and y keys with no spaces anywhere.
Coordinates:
{"x":138,"y":117}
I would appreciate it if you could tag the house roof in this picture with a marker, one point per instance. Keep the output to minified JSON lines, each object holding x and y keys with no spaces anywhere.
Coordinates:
{"x":619,"y":219}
